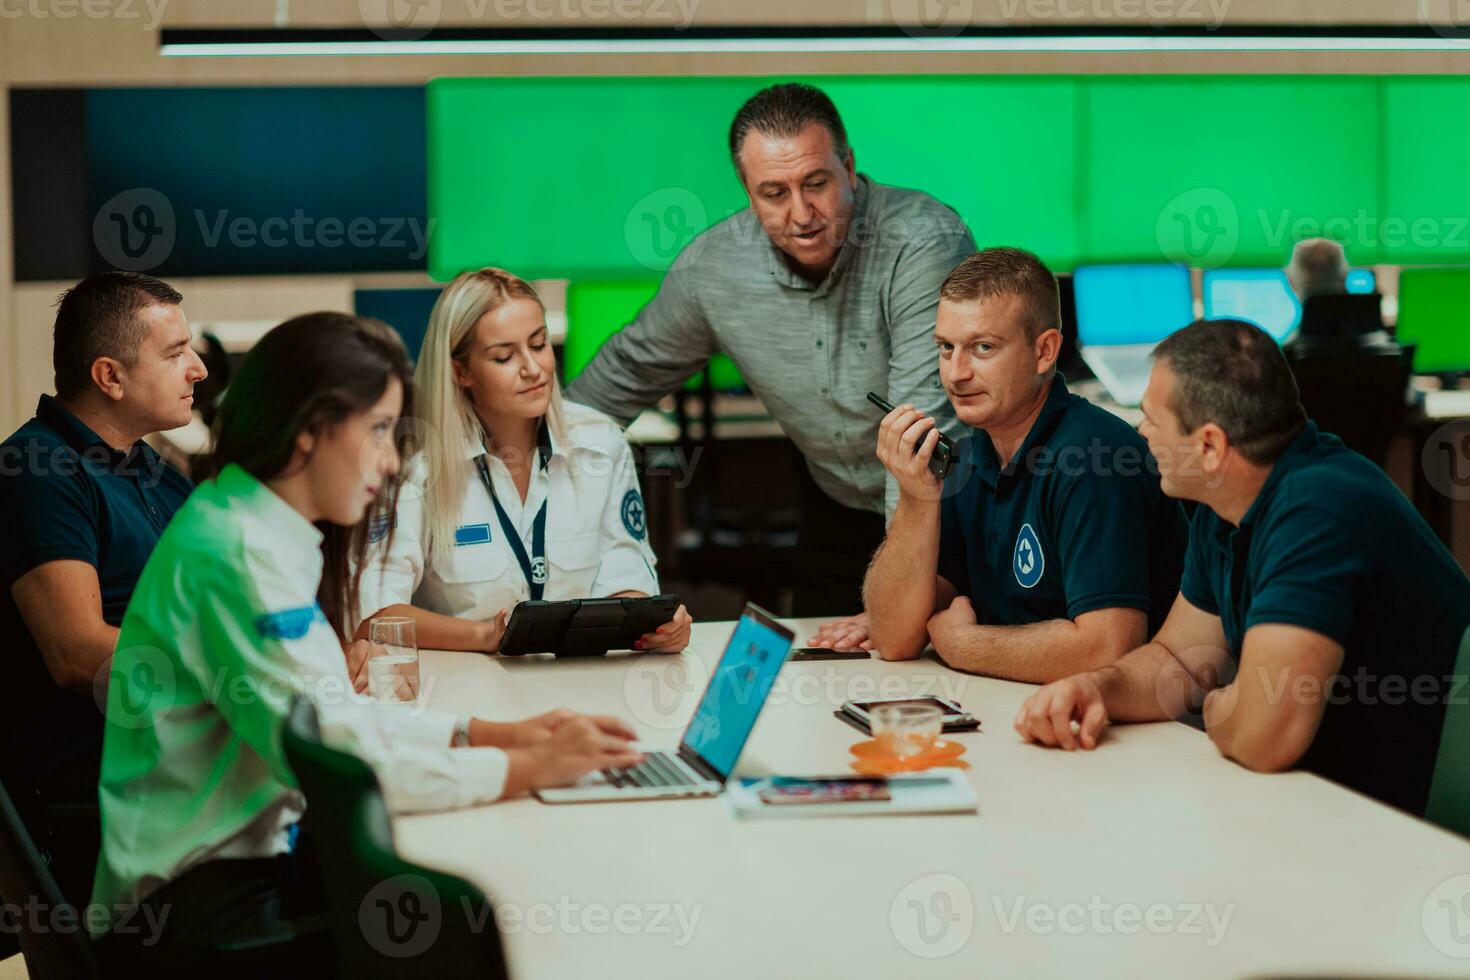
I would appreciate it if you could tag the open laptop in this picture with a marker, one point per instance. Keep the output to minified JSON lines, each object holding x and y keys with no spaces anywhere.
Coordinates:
{"x":1123,"y":370}
{"x":722,"y":723}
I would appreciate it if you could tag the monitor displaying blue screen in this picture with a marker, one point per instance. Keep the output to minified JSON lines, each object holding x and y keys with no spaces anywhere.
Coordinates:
{"x":1260,"y":296}
{"x":1131,"y":304}
{"x":1361,"y":282}
{"x":736,"y":692}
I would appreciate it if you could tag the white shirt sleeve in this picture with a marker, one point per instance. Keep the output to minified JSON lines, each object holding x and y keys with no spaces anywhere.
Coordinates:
{"x":395,"y":563}
{"x":265,"y":643}
{"x":627,"y":560}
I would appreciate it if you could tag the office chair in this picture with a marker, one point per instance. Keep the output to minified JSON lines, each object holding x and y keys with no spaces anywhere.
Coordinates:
{"x":389,"y":918}
{"x":25,"y":879}
{"x":1340,"y":319}
{"x":1449,"y":789}
{"x":1358,"y":394}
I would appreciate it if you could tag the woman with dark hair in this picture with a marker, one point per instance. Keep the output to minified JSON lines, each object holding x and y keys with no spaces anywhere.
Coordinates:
{"x":245,"y":603}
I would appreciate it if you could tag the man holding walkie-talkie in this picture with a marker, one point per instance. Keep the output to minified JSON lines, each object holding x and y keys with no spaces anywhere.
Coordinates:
{"x":1048,"y":547}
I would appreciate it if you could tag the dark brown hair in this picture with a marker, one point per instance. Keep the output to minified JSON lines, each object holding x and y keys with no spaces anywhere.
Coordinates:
{"x":98,"y":318}
{"x":309,"y":373}
{"x":1233,"y":374}
{"x":785,"y":110}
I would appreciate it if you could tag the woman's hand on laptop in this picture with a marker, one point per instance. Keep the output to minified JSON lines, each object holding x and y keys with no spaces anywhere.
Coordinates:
{"x":522,"y":734}
{"x":577,"y":746}
{"x":534,"y":731}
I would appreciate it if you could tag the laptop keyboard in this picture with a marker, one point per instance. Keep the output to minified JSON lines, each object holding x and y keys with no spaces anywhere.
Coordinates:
{"x":656,"y":770}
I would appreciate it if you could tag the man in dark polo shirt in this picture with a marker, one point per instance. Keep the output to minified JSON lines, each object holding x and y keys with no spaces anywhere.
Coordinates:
{"x":85,"y":501}
{"x":1050,"y":548}
{"x":1319,"y":616}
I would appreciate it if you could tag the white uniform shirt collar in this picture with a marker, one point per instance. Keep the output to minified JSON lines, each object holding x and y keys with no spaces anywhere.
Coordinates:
{"x":521,"y":513}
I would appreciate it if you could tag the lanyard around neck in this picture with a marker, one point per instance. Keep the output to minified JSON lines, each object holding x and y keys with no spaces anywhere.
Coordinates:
{"x":533,"y":566}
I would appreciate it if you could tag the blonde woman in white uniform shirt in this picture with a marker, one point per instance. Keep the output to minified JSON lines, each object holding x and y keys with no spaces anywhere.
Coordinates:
{"x":515,"y":493}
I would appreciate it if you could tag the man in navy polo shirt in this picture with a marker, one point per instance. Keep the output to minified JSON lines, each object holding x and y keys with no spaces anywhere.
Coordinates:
{"x":1050,"y":548}
{"x":1319,"y":616}
{"x":85,"y":501}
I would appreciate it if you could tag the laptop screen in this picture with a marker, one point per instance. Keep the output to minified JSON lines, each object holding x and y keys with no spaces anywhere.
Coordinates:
{"x":737,"y":690}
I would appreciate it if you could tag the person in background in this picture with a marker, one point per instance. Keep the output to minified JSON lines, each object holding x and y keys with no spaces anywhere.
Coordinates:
{"x":246,"y":602}
{"x":1318,"y":267}
{"x":1319,"y":617}
{"x":1050,"y":547}
{"x":515,"y":494}
{"x":823,"y":290}
{"x":84,"y":501}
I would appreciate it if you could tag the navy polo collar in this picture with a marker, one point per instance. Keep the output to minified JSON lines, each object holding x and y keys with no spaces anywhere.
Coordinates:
{"x":80,"y":436}
{"x":987,"y":462}
{"x":76,"y":432}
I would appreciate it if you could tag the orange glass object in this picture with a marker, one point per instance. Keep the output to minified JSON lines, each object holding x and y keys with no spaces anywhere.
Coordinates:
{"x":873,"y":761}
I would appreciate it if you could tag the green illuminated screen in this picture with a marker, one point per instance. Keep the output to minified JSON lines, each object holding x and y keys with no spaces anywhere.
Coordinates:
{"x":597,"y":310}
{"x":606,"y":178}
{"x":1424,"y":214}
{"x":610,"y":177}
{"x":1434,"y":314}
{"x":1211,"y":171}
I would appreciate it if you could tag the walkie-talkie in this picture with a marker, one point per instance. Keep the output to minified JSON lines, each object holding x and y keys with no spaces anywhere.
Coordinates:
{"x":943,"y":457}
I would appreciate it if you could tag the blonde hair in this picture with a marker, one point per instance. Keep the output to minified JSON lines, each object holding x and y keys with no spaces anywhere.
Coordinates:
{"x":452,"y":423}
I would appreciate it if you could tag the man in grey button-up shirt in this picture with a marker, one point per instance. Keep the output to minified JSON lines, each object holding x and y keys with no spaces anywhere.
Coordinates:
{"x":823,"y":290}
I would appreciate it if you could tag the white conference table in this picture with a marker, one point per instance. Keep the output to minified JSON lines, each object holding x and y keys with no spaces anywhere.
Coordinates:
{"x":1150,"y":856}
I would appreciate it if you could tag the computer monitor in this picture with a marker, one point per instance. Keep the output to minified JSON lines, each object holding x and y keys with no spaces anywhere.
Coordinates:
{"x":1434,"y":315}
{"x":597,"y":310}
{"x":1260,"y":296}
{"x":1131,"y":304}
{"x":1362,"y":282}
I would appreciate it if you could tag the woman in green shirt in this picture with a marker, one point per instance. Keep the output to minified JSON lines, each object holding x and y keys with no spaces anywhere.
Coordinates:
{"x":244,"y":604}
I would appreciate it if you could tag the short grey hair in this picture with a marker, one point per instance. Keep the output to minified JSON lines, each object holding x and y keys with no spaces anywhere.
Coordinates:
{"x":1318,"y":267}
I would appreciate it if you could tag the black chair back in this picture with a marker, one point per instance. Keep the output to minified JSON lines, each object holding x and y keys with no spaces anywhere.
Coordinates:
{"x":61,"y":948}
{"x":1359,"y":395}
{"x":1344,"y":317}
{"x":389,"y":918}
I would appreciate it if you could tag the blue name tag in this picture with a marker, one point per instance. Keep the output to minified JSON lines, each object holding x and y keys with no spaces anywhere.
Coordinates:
{"x":471,"y":534}
{"x":289,"y":624}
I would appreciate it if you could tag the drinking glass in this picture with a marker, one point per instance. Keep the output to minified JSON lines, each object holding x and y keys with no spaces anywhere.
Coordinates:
{"x":393,"y":664}
{"x":905,"y":731}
